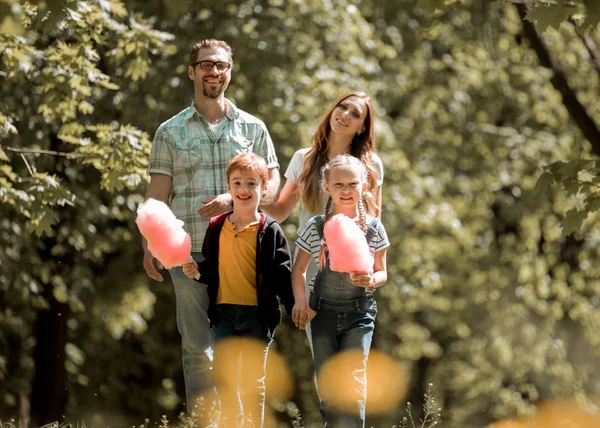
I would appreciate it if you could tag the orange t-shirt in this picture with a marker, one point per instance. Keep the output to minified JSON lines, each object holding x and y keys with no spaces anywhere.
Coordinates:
{"x":237,"y":265}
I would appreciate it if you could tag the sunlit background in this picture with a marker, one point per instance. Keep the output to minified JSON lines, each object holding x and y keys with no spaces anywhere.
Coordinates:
{"x":494,"y":282}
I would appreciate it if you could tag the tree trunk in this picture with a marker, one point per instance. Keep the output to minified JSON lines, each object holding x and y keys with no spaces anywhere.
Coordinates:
{"x":49,"y":394}
{"x":49,"y":386}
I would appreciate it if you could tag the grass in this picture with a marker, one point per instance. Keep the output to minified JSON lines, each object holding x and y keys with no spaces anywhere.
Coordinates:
{"x":431,"y":417}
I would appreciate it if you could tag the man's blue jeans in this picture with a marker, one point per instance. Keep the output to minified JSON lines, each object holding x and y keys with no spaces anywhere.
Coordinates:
{"x":196,"y":336}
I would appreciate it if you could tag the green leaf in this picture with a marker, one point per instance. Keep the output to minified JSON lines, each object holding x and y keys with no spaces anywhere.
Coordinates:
{"x":572,"y":187}
{"x":546,"y":16}
{"x":592,"y":203}
{"x":567,"y":171}
{"x":42,"y":223}
{"x":572,"y":221}
{"x":85,"y":107}
{"x":543,"y":184}
{"x":10,"y":25}
{"x":109,"y":85}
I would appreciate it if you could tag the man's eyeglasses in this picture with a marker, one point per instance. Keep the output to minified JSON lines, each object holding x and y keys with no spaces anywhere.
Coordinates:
{"x":208,"y":65}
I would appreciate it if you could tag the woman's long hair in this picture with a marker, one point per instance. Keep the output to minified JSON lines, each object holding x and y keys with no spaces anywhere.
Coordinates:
{"x":362,"y":146}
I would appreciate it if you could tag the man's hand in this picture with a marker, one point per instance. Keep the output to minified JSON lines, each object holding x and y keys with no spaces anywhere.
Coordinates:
{"x":216,"y":205}
{"x":149,"y":266}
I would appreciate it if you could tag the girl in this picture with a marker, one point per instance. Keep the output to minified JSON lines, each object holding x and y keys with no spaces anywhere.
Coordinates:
{"x":342,"y":304}
{"x":346,"y":128}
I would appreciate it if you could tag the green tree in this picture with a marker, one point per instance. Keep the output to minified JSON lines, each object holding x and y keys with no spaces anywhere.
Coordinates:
{"x":63,"y":159}
{"x":492,"y":302}
{"x":488,"y":298}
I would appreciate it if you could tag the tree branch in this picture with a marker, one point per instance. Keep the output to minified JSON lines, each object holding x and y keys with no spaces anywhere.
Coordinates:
{"x":579,"y":115}
{"x":589,"y":183}
{"x":589,"y":44}
{"x":49,"y":152}
{"x":27,"y":164}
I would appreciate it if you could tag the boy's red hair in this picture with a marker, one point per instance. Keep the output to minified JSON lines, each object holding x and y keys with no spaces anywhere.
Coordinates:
{"x":249,"y":163}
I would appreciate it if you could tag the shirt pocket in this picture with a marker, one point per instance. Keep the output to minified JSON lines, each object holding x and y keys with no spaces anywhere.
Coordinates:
{"x":240,"y":144}
{"x":189,"y":156}
{"x":189,"y":153}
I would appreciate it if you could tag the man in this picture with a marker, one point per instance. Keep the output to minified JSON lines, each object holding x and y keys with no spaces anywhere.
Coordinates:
{"x":187,"y":167}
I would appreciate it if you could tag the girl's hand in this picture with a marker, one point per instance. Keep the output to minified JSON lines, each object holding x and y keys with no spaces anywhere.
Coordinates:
{"x":190,"y":268}
{"x":361,"y":279}
{"x":302,"y":314}
{"x":298,"y":312}
{"x":309,"y":314}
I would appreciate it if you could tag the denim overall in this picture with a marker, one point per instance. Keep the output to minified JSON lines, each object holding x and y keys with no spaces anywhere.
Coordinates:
{"x":345,"y":321}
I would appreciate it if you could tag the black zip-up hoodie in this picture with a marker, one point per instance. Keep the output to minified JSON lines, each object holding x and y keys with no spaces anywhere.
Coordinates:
{"x":273,"y":269}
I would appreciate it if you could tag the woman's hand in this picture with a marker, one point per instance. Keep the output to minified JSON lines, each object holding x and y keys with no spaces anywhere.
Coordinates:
{"x":362,"y":279}
{"x":190,"y":268}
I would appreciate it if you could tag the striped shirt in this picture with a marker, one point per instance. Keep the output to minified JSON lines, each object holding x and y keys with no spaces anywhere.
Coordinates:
{"x":187,"y":149}
{"x":310,"y":242}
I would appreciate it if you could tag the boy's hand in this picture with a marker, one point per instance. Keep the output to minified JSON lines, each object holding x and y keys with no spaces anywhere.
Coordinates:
{"x":361,"y":279}
{"x":302,"y":315}
{"x":190,"y":268}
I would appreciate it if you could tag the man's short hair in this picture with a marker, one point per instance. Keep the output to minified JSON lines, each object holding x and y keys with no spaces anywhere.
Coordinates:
{"x":209,"y":43}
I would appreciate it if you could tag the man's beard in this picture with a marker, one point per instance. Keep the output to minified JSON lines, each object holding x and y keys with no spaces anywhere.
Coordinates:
{"x":212,"y":93}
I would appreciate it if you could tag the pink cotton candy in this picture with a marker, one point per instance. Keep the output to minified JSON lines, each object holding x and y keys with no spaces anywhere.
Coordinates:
{"x":167,"y":241}
{"x":347,"y":245}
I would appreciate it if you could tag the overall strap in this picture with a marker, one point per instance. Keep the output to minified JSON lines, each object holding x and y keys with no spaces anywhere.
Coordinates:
{"x":319,"y":224}
{"x":371,"y":229}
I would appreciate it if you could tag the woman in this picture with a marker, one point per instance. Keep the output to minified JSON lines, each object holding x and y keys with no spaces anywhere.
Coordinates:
{"x":346,"y":128}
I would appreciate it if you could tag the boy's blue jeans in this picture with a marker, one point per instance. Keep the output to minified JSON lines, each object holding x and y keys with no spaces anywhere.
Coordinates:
{"x":196,"y":337}
{"x":342,"y":325}
{"x":241,"y":349}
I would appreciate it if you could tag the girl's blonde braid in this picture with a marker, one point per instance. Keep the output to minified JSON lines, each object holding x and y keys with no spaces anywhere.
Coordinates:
{"x":328,"y":208}
{"x":323,"y":249}
{"x":362,"y":215}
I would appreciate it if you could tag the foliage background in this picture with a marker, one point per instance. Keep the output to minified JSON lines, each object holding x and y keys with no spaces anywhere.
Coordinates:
{"x":493,"y":288}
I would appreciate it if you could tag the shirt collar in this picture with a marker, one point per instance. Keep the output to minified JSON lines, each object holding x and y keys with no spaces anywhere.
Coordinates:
{"x":232,"y":112}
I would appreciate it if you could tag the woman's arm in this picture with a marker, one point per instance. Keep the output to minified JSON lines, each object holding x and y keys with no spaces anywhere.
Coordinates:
{"x":285,"y":203}
{"x":378,"y":199}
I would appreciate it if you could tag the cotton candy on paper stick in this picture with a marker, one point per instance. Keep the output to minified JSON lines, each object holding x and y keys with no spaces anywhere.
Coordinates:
{"x":347,"y":245}
{"x":167,"y":241}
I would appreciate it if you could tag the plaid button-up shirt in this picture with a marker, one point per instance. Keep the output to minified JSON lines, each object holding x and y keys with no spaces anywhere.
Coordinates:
{"x":187,"y":149}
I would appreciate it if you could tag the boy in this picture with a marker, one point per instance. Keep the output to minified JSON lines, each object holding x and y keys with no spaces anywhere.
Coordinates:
{"x":247,"y":265}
